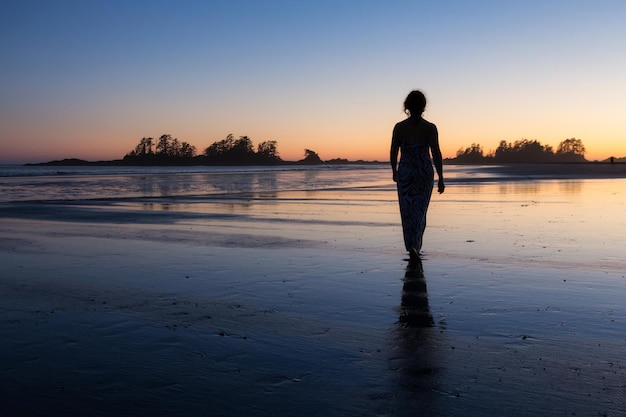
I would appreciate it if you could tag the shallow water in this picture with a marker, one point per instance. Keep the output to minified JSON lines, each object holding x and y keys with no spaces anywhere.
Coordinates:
{"x":569,"y":223}
{"x":41,"y":183}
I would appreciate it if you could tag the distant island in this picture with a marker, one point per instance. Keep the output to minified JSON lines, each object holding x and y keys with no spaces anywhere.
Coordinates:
{"x":527,"y":151}
{"x":169,"y":151}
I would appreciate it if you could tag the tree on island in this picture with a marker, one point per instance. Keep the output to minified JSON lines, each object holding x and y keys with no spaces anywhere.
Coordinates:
{"x":471,"y":155}
{"x":143,"y":148}
{"x":524,"y":150}
{"x":169,"y":150}
{"x":230,"y":151}
{"x":310,"y":158}
{"x":268,"y":150}
{"x":571,"y":150}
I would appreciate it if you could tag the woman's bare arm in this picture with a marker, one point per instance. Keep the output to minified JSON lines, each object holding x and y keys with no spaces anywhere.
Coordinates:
{"x":437,"y":158}
{"x":393,"y":154}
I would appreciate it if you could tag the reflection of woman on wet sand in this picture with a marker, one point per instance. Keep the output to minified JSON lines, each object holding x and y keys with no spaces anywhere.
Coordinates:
{"x":415,"y":137}
{"x":414,"y":311}
{"x":415,"y":358}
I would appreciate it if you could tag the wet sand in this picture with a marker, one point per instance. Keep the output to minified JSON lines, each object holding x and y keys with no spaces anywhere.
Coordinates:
{"x":302,"y":304}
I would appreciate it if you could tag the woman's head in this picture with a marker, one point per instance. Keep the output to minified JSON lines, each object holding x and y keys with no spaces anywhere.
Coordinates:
{"x":415,"y":103}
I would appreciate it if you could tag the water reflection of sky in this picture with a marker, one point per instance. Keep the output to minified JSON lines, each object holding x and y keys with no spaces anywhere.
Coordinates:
{"x":541,"y":221}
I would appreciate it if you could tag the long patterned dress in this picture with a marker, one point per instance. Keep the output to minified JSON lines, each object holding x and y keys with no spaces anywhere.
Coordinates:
{"x":415,"y":186}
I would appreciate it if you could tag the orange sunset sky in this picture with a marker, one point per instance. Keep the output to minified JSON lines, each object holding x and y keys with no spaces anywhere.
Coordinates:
{"x":89,"y":79}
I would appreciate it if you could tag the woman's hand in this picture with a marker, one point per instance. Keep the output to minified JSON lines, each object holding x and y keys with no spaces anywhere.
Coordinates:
{"x":441,"y":187}
{"x":395,"y":176}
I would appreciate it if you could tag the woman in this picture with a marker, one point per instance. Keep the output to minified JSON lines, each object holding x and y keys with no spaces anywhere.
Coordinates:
{"x":414,"y":174}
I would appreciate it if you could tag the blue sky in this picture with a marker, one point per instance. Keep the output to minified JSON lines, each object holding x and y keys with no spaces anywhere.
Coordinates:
{"x":88,"y":79}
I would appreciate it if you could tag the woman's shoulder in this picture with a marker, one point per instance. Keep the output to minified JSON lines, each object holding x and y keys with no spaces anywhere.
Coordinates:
{"x":410,"y":124}
{"x":430,"y":125}
{"x":402,"y":123}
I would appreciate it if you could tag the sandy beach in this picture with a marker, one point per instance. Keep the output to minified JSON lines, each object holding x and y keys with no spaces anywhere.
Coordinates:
{"x":298,"y":299}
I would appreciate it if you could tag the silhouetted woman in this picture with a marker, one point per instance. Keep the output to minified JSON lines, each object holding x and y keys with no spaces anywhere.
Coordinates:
{"x":416,"y":138}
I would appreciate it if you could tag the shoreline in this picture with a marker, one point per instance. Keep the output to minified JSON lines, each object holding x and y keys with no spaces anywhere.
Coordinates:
{"x":593,"y":168}
{"x":589,"y":170}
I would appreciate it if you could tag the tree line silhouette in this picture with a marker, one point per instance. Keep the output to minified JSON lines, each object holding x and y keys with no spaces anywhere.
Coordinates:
{"x":524,"y":150}
{"x":167,"y":150}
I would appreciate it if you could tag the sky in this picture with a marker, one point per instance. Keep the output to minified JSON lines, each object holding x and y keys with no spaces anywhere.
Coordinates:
{"x":89,"y":78}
